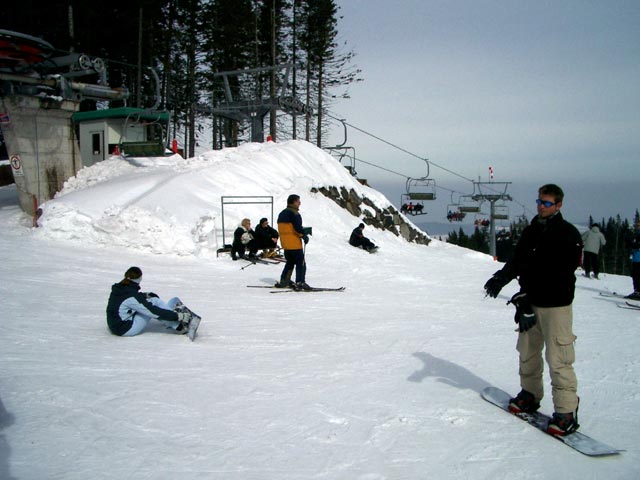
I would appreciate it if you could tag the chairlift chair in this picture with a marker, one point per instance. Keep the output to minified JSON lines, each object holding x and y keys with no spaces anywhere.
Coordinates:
{"x":501,"y":212}
{"x":408,"y":207}
{"x":468,"y":204}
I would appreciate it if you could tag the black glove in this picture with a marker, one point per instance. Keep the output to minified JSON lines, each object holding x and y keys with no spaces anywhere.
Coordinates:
{"x":305,"y":239}
{"x":524,"y":317}
{"x":152,"y":295}
{"x":495,"y":284}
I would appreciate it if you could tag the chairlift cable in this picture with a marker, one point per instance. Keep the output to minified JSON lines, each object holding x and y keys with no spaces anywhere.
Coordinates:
{"x":344,"y":122}
{"x":400,"y":148}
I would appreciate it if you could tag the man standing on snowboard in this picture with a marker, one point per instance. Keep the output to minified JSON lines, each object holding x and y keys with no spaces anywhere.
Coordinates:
{"x":544,"y":262}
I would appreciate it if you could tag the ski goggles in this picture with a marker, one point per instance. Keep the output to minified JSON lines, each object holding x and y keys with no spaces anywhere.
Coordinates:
{"x":546,"y":203}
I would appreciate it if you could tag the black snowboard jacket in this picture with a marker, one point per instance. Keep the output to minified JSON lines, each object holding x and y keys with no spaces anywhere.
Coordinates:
{"x":545,"y":260}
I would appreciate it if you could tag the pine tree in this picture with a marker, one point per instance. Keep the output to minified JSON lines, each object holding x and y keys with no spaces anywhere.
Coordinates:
{"x":325,"y":66}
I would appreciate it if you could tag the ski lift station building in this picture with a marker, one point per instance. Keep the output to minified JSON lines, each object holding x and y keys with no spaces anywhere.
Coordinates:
{"x":134,"y":131}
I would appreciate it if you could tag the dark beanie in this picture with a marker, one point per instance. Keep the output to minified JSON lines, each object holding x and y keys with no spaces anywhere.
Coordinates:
{"x":292,"y":198}
{"x":262,"y":220}
{"x":134,"y":274}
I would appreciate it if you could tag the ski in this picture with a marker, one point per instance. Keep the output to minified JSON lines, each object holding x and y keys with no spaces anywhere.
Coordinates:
{"x":611,"y":295}
{"x":313,"y":289}
{"x":270,"y":260}
{"x":576,"y":440}
{"x":278,"y":259}
{"x":289,"y":289}
{"x":629,"y":306}
{"x":255,"y":261}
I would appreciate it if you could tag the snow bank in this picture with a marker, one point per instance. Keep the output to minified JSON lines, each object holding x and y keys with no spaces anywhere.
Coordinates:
{"x":173,"y":205}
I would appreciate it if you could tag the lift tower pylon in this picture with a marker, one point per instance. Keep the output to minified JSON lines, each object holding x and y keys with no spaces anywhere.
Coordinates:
{"x":492,"y":192}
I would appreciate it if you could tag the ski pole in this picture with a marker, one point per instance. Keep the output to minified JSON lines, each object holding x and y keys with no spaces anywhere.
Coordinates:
{"x":247,"y":265}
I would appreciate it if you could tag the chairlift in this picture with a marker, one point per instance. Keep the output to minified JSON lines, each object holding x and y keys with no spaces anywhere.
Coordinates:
{"x":155,"y":129}
{"x":341,"y":152}
{"x":501,"y":212}
{"x":423,"y":188}
{"x":346,"y":156}
{"x":409,"y":208}
{"x":453,"y":211}
{"x":468,"y":204}
{"x":481,"y":220}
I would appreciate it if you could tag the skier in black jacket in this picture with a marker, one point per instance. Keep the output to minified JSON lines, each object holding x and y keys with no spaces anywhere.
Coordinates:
{"x":544,"y":262}
{"x":129,"y":311}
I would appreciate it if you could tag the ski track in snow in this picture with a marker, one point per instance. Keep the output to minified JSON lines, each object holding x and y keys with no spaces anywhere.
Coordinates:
{"x":381,"y":381}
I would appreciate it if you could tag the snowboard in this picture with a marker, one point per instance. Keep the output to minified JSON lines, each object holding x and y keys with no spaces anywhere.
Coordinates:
{"x":193,"y":326}
{"x":576,"y":440}
{"x":195,"y":320}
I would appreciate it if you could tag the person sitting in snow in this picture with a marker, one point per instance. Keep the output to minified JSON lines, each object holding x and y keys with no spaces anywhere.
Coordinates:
{"x":243,"y":238}
{"x":129,"y":310}
{"x":266,"y":238}
{"x":358,"y":239}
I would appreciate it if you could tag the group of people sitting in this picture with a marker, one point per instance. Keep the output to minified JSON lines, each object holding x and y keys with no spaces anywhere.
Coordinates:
{"x":455,"y":216}
{"x":410,"y":208}
{"x":485,"y":222}
{"x":245,"y":239}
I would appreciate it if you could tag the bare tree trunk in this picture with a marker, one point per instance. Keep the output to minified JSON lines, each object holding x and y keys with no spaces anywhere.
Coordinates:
{"x":320,"y":93}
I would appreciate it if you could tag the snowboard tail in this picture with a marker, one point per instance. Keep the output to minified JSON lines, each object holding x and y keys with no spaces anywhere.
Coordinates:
{"x":576,"y":440}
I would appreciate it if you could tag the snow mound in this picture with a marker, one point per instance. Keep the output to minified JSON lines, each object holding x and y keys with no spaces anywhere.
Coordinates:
{"x":173,"y":205}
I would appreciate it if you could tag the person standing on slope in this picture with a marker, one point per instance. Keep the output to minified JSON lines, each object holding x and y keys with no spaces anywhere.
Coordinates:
{"x":129,"y":310}
{"x":292,"y":238}
{"x":593,"y":241}
{"x":544,"y":261}
{"x":634,"y":246}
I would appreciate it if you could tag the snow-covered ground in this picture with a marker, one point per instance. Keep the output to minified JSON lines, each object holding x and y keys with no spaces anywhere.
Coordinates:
{"x":381,"y":381}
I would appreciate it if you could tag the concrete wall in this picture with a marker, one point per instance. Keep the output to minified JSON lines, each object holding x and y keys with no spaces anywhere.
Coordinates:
{"x":41,"y":145}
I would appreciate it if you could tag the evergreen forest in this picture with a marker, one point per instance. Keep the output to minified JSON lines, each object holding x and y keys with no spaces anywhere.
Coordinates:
{"x":187,"y":44}
{"x":614,"y":257}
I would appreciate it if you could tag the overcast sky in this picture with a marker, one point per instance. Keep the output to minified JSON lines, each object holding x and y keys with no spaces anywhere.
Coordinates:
{"x":542,"y":91}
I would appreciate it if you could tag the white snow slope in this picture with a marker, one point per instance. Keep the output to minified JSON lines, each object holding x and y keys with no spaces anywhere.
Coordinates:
{"x":381,"y":381}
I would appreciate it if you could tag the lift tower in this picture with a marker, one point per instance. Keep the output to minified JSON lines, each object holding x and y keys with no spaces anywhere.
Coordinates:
{"x":492,"y":192}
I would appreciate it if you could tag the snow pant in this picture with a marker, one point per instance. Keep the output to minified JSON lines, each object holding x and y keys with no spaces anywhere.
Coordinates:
{"x":238,"y":249}
{"x":363,"y":242}
{"x":590,"y":263}
{"x":141,"y":321}
{"x":553,"y":331}
{"x":295,"y":259}
{"x":635,"y":275}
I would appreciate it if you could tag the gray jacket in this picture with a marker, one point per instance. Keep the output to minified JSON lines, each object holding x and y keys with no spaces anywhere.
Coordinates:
{"x":593,"y":240}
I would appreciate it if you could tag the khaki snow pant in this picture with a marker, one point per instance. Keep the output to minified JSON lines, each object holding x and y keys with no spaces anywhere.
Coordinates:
{"x":553,"y":330}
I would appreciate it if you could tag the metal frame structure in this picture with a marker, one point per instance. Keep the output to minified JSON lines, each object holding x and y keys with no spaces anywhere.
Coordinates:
{"x":254,"y":201}
{"x":255,"y":110}
{"x":343,"y":151}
